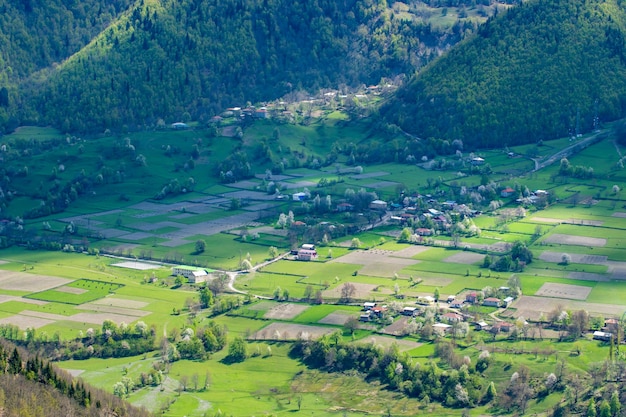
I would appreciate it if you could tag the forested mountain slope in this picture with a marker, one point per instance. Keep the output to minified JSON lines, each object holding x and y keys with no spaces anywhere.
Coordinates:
{"x":36,"y":34}
{"x":537,"y":71}
{"x":163,"y":59}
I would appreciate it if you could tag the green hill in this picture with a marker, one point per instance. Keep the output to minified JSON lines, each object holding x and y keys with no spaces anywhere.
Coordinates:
{"x":538,"y":71}
{"x":37,"y":35}
{"x":174,"y":60}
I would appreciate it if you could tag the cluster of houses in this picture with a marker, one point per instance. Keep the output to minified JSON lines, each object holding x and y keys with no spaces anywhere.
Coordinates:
{"x":447,"y":317}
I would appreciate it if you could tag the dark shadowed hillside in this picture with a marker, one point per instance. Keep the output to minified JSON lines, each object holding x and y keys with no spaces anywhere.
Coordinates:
{"x":538,"y":71}
{"x":192,"y":58}
{"x":36,"y":35}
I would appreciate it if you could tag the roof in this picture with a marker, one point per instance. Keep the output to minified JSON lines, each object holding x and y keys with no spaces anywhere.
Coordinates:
{"x":191,"y":268}
{"x":492,"y":300}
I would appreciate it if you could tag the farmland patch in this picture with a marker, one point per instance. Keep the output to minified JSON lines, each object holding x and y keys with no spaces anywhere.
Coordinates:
{"x":19,"y":281}
{"x":121,"y":302}
{"x":575,"y":240}
{"x":369,"y":175}
{"x":131,"y":313}
{"x":410,"y":251}
{"x":532,"y":307}
{"x":397,"y":327}
{"x":362,"y":291}
{"x":557,"y":257}
{"x":376,"y":256}
{"x":588,"y":276}
{"x":465,"y":258}
{"x":290,"y":331}
{"x":24,"y":322}
{"x":338,"y":318}
{"x":572,"y":292}
{"x":285,"y":311}
{"x":386,"y":341}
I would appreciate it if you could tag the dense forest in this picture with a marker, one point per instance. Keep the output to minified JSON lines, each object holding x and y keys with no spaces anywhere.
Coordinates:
{"x":538,"y":71}
{"x":190,"y":59}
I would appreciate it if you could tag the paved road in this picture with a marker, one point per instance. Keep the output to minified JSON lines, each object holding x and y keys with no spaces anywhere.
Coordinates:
{"x":569,"y":151}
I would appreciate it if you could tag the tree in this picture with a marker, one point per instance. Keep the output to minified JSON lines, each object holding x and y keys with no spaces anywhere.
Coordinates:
{"x":591,"y":408}
{"x":615,"y":404}
{"x":351,"y":324}
{"x":347,"y":292}
{"x":206,"y":297}
{"x":605,"y":409}
{"x":566,"y":259}
{"x":405,"y":235}
{"x":520,"y":252}
{"x":273,"y":252}
{"x":308,"y":293}
{"x":200,"y":247}
{"x":237,"y":350}
{"x":356,"y":243}
{"x":491,"y":393}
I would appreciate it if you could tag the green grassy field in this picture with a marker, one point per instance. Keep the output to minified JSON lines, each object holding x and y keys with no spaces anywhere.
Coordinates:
{"x":270,"y":384}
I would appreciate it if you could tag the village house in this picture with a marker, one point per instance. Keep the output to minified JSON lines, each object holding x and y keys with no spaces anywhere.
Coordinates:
{"x":379,"y":311}
{"x":410,"y":311}
{"x":179,"y":126}
{"x":501,"y":326}
{"x":491,"y":302}
{"x":603,"y":336}
{"x":299,"y":196}
{"x":344,"y":207}
{"x":425,"y":300}
{"x":368,"y":306}
{"x":193,"y":274}
{"x":422,"y":231}
{"x":378,"y":205}
{"x":452,"y":317}
{"x":480,"y":325}
{"x":441,"y":328}
{"x":307,"y":254}
{"x":471,"y":297}
{"x":507,"y":192}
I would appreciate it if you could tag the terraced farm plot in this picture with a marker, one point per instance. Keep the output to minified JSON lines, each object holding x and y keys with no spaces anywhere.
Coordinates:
{"x":78,"y":292}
